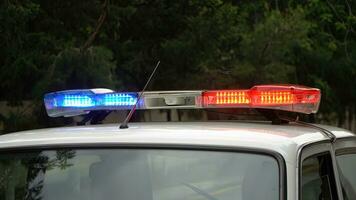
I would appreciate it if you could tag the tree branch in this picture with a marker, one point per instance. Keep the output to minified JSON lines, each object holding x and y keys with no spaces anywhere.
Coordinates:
{"x":263,"y":52}
{"x":99,"y":24}
{"x":345,"y":44}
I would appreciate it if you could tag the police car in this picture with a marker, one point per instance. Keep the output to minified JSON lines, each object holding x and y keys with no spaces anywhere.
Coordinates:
{"x":282,"y":158}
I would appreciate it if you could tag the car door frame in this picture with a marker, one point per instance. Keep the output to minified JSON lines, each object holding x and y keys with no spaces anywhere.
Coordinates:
{"x":346,"y":145}
{"x":314,"y":149}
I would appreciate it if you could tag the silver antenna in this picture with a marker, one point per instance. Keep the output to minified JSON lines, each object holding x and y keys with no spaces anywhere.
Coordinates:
{"x":128,"y":117}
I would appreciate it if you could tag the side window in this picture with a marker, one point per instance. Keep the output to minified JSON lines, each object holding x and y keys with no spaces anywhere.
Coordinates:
{"x":317,"y":176}
{"x":347,"y":172}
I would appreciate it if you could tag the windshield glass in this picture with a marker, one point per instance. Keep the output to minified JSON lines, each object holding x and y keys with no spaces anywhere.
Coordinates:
{"x":137,"y":174}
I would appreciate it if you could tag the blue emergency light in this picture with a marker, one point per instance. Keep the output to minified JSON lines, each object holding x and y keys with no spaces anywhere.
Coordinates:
{"x":75,"y":102}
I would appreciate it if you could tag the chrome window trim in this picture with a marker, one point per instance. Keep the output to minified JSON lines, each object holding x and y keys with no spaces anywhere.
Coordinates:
{"x":314,"y":149}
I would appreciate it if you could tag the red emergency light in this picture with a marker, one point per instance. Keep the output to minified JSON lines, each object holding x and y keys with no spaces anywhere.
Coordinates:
{"x":280,"y":97}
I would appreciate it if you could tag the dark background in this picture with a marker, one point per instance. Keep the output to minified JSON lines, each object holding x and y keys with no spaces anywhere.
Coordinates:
{"x":202,"y":44}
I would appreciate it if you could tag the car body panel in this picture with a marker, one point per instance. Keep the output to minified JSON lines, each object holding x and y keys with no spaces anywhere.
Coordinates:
{"x":283,"y":139}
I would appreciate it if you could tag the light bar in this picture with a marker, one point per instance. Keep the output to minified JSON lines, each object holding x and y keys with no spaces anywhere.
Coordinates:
{"x":278,"y":97}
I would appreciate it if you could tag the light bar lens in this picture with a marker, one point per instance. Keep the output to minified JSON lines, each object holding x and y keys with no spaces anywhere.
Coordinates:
{"x":284,"y":95}
{"x":272,"y":97}
{"x":119,"y":99}
{"x":289,"y":98}
{"x":226,"y":97}
{"x":76,"y":102}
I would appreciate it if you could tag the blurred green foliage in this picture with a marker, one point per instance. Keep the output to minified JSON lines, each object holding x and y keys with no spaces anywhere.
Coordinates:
{"x":202,"y":44}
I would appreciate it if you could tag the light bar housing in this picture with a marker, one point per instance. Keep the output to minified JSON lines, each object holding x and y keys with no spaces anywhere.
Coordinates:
{"x":291,"y":98}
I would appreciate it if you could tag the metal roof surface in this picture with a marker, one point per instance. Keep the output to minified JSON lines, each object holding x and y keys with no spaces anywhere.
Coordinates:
{"x":284,"y":139}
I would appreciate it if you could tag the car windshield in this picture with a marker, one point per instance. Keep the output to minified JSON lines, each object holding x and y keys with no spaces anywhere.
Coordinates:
{"x":137,"y":174}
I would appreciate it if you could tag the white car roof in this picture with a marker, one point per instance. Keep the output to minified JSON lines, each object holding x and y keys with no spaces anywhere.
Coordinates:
{"x":283,"y":139}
